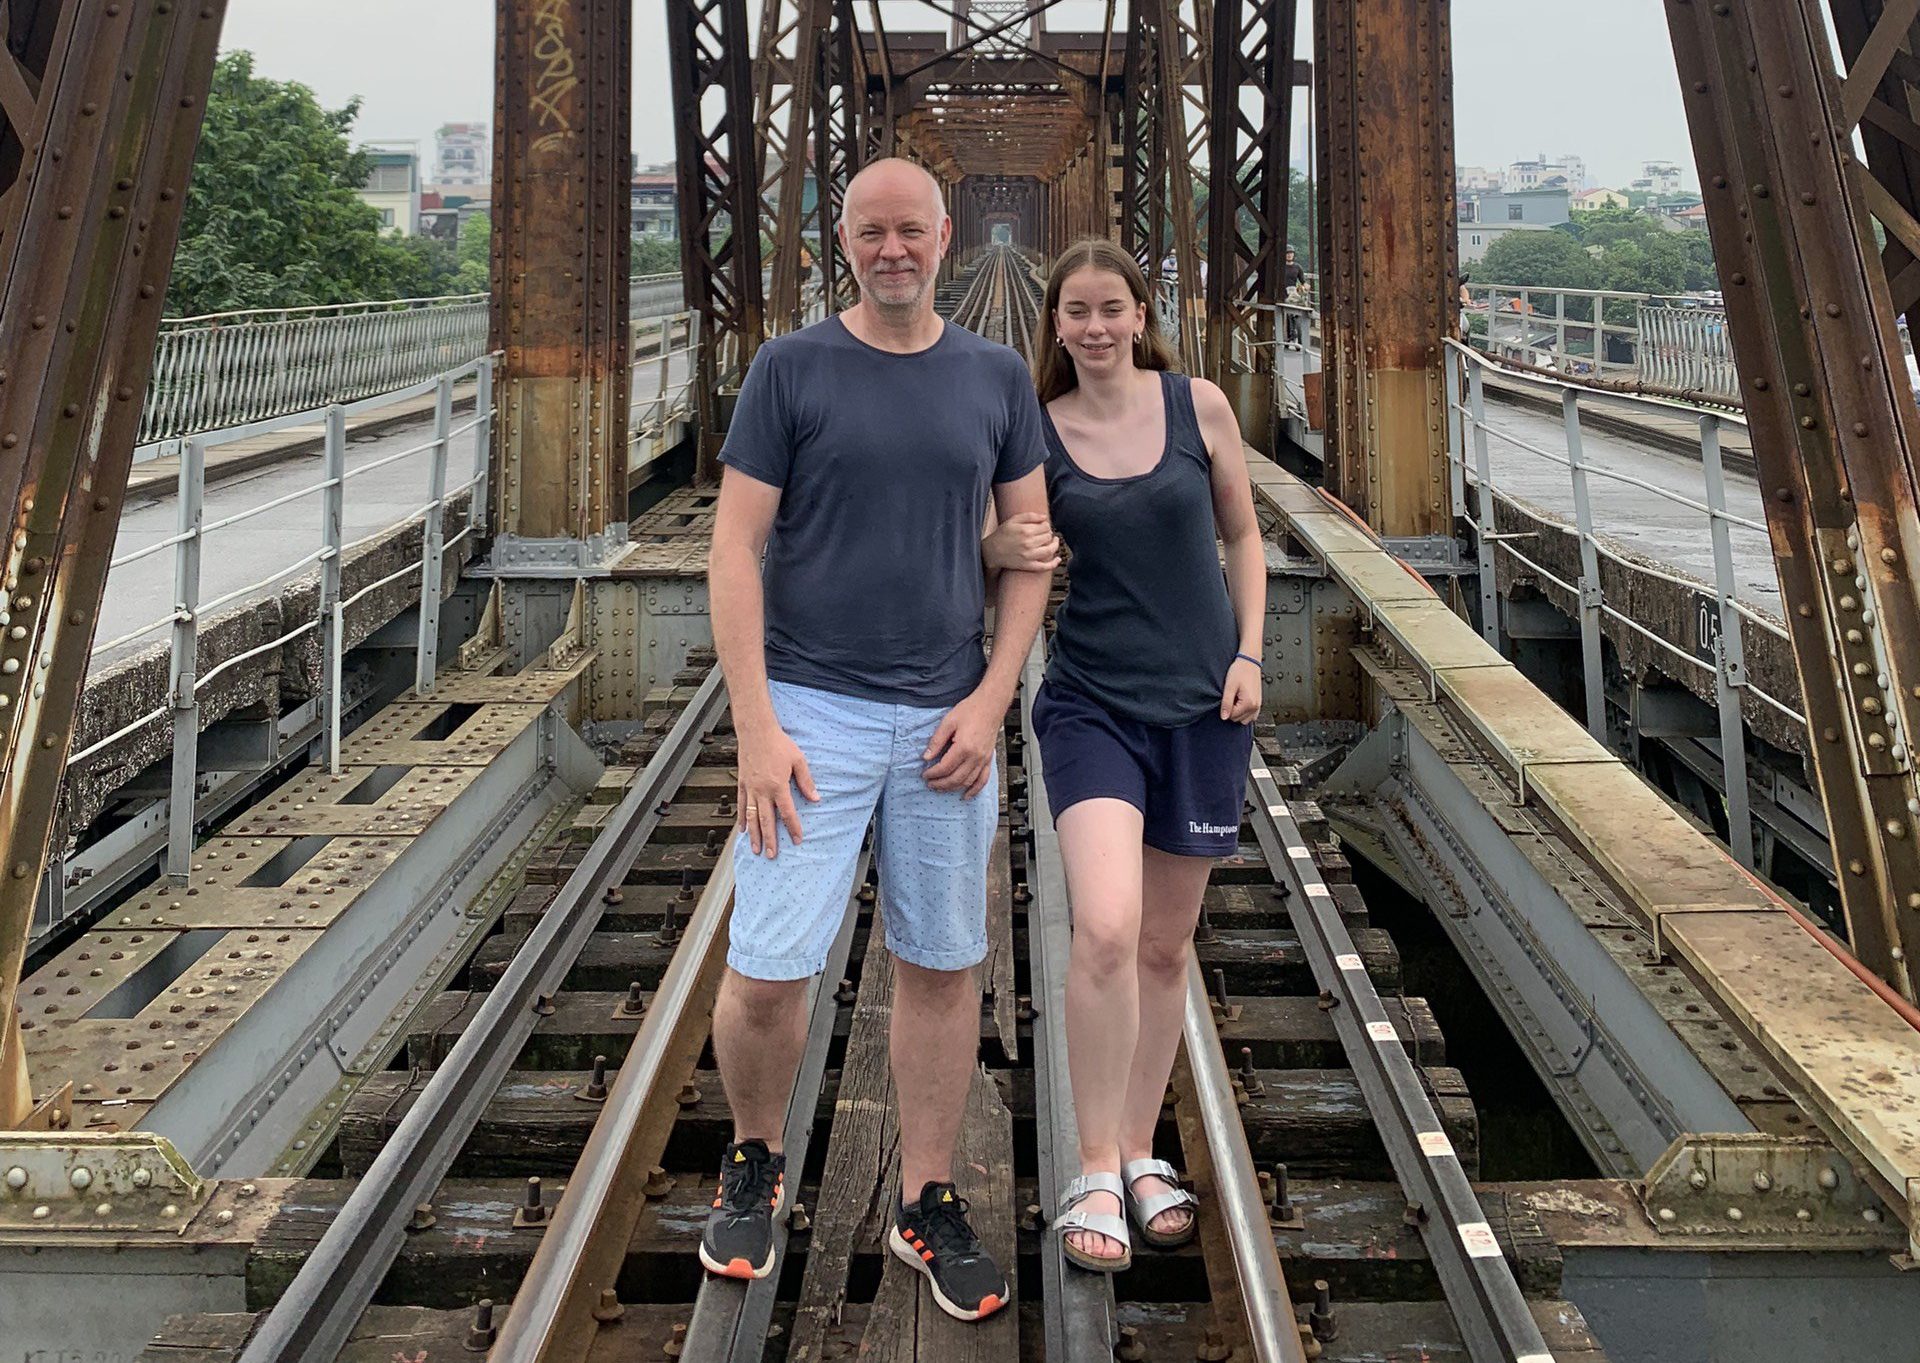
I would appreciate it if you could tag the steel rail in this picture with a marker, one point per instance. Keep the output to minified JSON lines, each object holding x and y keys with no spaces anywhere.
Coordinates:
{"x":1266,"y":1306}
{"x":313,"y":1318}
{"x":730,"y":1317}
{"x":1494,"y":1319}
{"x":1078,"y":1306}
{"x":558,"y":1308}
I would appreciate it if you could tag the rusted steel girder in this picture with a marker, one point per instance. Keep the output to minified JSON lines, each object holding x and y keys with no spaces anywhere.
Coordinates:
{"x":837,"y":150}
{"x":1252,"y":63}
{"x":1388,"y":257}
{"x":1880,"y":98}
{"x":1834,"y":428}
{"x":1163,"y":30}
{"x":719,"y":199}
{"x":102,"y":103}
{"x":794,"y":221}
{"x":1143,"y":171}
{"x":561,"y":211}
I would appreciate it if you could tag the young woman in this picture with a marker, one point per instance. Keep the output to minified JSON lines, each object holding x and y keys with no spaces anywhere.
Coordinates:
{"x":1143,"y":720}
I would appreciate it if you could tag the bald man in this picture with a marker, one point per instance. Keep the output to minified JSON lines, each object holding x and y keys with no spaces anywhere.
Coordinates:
{"x":861,"y":458}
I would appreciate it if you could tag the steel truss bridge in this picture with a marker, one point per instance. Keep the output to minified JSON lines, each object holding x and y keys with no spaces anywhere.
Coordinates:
{"x":315,"y":983}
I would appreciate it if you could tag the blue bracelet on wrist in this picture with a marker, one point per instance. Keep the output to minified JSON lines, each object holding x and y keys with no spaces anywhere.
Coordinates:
{"x":1248,"y":657}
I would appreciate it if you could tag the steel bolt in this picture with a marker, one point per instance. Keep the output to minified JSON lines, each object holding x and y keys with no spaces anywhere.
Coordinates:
{"x":669,"y":927}
{"x":845,"y":993}
{"x":81,"y":1178}
{"x":608,"y":1309}
{"x":676,"y":1342}
{"x":16,"y":1178}
{"x":1130,"y":1349}
{"x":714,"y":838}
{"x":689,"y":1095}
{"x":422,"y":1218}
{"x":533,"y":1212}
{"x":543,"y":1005}
{"x":597,"y":1085}
{"x":1203,"y":930}
{"x":1281,"y":1208}
{"x":1249,"y":1078}
{"x":686,"y":887}
{"x":1325,"y":1327}
{"x":1220,"y":991}
{"x":614,"y":894}
{"x":632,"y":1003}
{"x":480,"y":1335}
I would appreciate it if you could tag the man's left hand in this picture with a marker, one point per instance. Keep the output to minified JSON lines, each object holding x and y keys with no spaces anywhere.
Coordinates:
{"x":962,"y":747}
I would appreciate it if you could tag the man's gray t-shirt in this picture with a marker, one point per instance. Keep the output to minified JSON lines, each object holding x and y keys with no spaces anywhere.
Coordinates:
{"x":873,"y":580}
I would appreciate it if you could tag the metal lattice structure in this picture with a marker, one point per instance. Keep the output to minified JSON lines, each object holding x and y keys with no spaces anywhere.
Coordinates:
{"x":719,"y":191}
{"x":93,"y":175}
{"x":1811,"y":305}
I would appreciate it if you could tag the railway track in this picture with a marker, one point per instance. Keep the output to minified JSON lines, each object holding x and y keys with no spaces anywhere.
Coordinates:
{"x":529,"y":1180}
{"x":997,"y":296}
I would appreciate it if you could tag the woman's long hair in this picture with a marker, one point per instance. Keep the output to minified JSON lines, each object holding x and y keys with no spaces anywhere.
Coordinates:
{"x":1053,"y":368}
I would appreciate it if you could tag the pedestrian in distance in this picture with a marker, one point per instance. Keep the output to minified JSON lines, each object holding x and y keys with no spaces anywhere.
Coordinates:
{"x":861,"y":459}
{"x":1144,"y":718}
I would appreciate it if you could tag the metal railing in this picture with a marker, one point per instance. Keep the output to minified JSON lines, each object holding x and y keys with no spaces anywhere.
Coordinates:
{"x":185,"y":680}
{"x":1688,"y":348}
{"x":1472,"y":467}
{"x":211,"y":373}
{"x":1675,"y":343}
{"x":228,"y":369}
{"x":673,"y":341}
{"x":658,"y":401}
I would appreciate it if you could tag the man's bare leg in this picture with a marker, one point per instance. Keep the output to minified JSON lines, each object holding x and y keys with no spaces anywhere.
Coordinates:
{"x":935,"y":1045}
{"x":759,"y":1033}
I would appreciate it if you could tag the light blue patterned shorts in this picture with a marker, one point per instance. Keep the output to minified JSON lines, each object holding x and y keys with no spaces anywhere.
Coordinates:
{"x":932,"y":846}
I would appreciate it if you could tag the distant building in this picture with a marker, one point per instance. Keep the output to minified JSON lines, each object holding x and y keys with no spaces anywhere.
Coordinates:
{"x":438,"y":219}
{"x":1658,"y":178}
{"x":1593,"y":199}
{"x":654,"y":204}
{"x":1693,"y":215}
{"x":462,"y":156}
{"x":1476,"y":237}
{"x":1475,"y":179}
{"x":1543,"y":172}
{"x":392,"y":188}
{"x":1535,"y":207}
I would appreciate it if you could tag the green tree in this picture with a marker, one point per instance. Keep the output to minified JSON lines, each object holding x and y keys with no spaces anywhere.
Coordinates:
{"x":271,"y":216}
{"x":1536,"y":260}
{"x":1300,"y":231}
{"x":654,"y":256}
{"x":474,"y":255}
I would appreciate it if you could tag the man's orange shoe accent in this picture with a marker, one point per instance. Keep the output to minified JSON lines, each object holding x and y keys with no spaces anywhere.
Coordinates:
{"x":989,"y":1304}
{"x":737,"y":1268}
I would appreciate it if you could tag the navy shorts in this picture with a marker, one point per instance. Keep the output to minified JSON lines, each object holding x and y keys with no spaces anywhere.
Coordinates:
{"x":1187,"y":782}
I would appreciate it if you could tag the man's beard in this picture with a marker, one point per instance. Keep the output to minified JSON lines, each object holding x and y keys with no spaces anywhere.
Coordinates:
{"x":899,"y":306}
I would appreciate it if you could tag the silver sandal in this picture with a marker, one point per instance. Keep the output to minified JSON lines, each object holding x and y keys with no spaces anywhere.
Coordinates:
{"x":1099,"y":1223}
{"x":1144,"y":1209}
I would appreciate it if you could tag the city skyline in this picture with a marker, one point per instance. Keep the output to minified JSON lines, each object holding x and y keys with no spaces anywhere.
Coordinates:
{"x":1506,"y":73}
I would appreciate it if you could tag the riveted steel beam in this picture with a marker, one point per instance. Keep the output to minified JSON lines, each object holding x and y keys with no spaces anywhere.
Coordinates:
{"x":719,"y":198}
{"x":561,"y":254}
{"x":1388,"y":257}
{"x":1834,"y":429}
{"x":93,"y":172}
{"x":1252,"y":120}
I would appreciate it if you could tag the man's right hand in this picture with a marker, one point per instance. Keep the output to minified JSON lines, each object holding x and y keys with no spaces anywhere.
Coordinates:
{"x":771,"y":767}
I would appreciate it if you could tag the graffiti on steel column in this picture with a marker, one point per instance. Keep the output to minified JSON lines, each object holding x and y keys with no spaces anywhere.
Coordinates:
{"x":557,"y":76}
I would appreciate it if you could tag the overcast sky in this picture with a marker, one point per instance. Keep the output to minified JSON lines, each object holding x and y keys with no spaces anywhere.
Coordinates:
{"x":1530,"y":76}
